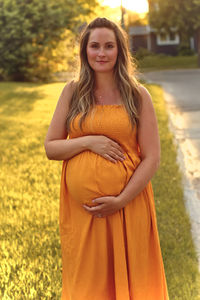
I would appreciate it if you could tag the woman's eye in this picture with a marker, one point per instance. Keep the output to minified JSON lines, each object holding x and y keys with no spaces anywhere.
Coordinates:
{"x":96,"y":46}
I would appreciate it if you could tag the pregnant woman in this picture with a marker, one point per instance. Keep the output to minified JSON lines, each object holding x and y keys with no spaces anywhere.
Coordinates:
{"x":104,"y":129}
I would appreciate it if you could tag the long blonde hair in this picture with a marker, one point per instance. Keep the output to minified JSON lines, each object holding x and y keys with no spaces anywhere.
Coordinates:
{"x":83,"y":99}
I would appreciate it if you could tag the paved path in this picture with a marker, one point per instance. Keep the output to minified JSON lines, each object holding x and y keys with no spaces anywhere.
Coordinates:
{"x":182,"y":95}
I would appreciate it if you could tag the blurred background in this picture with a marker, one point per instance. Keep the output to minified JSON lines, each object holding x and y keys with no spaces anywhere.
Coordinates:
{"x":40,"y":38}
{"x":38,"y":55}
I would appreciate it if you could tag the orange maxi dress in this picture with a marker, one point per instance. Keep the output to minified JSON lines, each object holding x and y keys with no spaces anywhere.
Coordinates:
{"x":116,"y":257}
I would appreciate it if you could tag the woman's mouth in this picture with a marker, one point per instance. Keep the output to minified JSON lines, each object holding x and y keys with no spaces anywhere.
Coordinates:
{"x":102,"y":61}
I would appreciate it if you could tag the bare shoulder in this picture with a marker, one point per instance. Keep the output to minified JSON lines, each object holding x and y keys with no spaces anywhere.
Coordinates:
{"x":147,"y":108}
{"x":146,"y":100}
{"x":68,"y":91}
{"x":145,"y":95}
{"x":71,"y":85}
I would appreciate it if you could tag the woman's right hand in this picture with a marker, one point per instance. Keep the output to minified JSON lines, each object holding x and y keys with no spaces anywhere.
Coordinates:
{"x":105,"y":147}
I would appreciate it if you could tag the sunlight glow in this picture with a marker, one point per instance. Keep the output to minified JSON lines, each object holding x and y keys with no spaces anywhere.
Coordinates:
{"x":138,"y":6}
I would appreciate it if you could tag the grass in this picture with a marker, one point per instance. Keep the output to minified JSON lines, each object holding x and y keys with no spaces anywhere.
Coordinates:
{"x":178,"y":251}
{"x":29,"y":200}
{"x":30,"y":245}
{"x":165,"y":62}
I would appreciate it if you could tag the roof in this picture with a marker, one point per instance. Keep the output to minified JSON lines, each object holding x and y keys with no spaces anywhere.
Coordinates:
{"x":139,"y":30}
{"x":145,"y":30}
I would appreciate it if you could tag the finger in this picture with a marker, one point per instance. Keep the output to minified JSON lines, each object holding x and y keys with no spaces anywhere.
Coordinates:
{"x":98,"y":208}
{"x":101,"y":200}
{"x":117,"y":146}
{"x":110,"y":158}
{"x":118,"y":151}
{"x":94,"y":209}
{"x":117,"y":156}
{"x":88,"y":208}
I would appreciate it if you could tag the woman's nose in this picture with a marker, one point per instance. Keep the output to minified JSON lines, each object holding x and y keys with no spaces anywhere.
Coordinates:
{"x":101,"y":52}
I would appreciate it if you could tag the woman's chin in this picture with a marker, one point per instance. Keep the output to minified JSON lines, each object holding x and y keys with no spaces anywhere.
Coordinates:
{"x":103,"y":69}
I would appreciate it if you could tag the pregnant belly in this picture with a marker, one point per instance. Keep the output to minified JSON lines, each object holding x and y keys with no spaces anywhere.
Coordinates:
{"x":89,"y":176}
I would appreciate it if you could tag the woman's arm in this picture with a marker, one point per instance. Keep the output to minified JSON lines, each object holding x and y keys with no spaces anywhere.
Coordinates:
{"x":56,"y":145}
{"x":149,"y":143}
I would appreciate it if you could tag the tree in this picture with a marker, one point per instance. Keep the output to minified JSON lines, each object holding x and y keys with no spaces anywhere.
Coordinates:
{"x":136,"y":19}
{"x":183,"y":15}
{"x":31,"y":32}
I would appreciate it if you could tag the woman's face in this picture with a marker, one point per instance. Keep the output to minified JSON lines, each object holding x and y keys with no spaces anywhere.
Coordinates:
{"x":102,"y":50}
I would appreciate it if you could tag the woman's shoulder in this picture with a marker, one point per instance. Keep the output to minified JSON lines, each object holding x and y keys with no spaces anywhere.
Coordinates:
{"x":68,"y":91}
{"x":70,"y":87}
{"x":143,"y":90}
{"x":147,"y":107}
{"x":144,"y":93}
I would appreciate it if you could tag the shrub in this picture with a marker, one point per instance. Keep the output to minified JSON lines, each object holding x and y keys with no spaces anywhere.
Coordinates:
{"x":185,"y":50}
{"x":32,"y":35}
{"x":142,"y":52}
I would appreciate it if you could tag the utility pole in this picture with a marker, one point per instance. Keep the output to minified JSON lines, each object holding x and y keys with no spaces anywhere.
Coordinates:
{"x":122,"y":16}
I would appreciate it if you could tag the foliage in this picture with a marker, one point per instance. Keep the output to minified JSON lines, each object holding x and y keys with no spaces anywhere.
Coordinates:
{"x":29,"y":200}
{"x":135,"y":19}
{"x":131,"y":18}
{"x":33,"y":32}
{"x":185,"y":50}
{"x":142,"y":53}
{"x":164,"y":62}
{"x":106,"y":11}
{"x":183,"y":15}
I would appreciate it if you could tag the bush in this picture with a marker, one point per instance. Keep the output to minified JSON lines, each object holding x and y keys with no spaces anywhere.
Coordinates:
{"x":185,"y":50}
{"x":142,"y":52}
{"x":33,"y":34}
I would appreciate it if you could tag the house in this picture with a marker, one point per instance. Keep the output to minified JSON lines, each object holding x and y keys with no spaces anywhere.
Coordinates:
{"x":157,"y":42}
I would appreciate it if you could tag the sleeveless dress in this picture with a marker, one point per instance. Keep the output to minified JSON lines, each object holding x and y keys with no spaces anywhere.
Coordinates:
{"x":117,"y":257}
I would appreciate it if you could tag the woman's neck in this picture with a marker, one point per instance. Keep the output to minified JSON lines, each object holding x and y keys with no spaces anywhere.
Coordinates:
{"x":106,"y":90}
{"x":104,"y":82}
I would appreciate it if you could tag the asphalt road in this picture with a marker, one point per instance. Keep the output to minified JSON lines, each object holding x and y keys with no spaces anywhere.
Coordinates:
{"x":182,"y":95}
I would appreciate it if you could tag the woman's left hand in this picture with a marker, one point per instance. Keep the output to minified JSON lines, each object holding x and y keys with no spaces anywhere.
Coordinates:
{"x":107,"y":206}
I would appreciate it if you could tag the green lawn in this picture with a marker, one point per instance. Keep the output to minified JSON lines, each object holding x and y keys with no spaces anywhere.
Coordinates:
{"x":161,"y":62}
{"x":29,"y":206}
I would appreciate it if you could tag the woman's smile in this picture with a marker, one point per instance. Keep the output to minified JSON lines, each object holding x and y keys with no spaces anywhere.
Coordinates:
{"x":102,"y":62}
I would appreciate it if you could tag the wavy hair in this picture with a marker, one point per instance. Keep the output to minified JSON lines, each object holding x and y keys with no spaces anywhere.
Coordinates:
{"x":83,"y":99}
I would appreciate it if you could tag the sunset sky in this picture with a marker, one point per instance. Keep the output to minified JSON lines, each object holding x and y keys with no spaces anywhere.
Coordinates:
{"x":139,"y":6}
